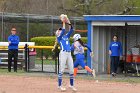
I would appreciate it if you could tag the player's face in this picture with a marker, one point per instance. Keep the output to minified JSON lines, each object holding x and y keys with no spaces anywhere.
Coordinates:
{"x":59,"y":32}
{"x":13,"y":31}
{"x":115,"y":38}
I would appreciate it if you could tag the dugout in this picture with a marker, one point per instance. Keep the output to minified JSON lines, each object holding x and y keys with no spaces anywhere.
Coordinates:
{"x":101,"y":28}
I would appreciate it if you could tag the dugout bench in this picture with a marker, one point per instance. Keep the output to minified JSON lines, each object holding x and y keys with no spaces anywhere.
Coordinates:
{"x":4,"y":58}
{"x":21,"y":54}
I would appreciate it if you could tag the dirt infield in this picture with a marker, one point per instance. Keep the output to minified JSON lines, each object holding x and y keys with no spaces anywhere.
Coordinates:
{"x":32,"y":84}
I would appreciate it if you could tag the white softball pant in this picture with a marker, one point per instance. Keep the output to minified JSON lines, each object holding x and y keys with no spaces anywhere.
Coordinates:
{"x":65,"y":58}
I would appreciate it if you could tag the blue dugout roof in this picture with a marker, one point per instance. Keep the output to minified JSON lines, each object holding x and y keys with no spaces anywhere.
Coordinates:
{"x":124,"y":18}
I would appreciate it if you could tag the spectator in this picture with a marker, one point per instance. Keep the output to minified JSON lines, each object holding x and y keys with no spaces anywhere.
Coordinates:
{"x":115,"y":51}
{"x":13,"y":41}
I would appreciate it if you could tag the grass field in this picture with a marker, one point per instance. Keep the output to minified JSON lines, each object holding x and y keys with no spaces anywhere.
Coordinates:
{"x":45,"y":61}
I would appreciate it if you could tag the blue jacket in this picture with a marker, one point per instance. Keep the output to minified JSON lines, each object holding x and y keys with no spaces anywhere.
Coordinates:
{"x":115,"y":48}
{"x":14,"y":39}
{"x":63,"y":40}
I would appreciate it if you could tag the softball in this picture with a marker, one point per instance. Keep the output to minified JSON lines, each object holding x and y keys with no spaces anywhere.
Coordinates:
{"x":64,"y":18}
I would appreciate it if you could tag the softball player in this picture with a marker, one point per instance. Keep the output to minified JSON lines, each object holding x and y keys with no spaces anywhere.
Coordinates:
{"x":78,"y":47}
{"x":65,"y":56}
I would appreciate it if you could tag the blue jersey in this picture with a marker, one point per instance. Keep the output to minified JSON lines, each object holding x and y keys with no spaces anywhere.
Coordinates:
{"x":14,"y":39}
{"x":63,"y":40}
{"x":115,"y":48}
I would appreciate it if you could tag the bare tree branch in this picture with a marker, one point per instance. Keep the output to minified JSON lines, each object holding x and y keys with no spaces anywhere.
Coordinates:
{"x":79,"y":5}
{"x":100,"y":2}
{"x":127,"y":10}
{"x":77,"y":11}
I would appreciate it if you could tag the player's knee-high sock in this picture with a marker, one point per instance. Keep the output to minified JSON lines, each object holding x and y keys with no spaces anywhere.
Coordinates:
{"x":71,"y":80}
{"x":59,"y":79}
{"x":75,"y":71}
{"x":88,"y":69}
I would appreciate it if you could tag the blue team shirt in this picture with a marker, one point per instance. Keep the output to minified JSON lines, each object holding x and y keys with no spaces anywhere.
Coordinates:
{"x":14,"y":39}
{"x":63,"y":40}
{"x":116,"y":48}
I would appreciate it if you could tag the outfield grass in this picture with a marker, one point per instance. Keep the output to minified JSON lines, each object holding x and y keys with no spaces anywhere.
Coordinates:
{"x":45,"y":61}
{"x":4,"y":71}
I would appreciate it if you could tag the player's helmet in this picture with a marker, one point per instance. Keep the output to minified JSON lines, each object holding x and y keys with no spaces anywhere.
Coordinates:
{"x":76,"y":37}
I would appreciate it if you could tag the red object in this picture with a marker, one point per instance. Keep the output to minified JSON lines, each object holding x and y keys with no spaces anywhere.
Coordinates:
{"x":32,"y":52}
{"x":136,"y":58}
{"x":129,"y":58}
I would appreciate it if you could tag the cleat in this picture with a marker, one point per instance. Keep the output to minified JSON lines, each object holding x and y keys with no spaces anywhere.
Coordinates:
{"x":73,"y":88}
{"x":93,"y":73}
{"x":62,"y":88}
{"x":113,"y":74}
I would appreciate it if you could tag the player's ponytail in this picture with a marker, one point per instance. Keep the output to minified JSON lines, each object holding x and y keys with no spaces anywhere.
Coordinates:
{"x":81,"y":42}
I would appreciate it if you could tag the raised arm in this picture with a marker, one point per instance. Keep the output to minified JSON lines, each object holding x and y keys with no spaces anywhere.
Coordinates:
{"x":70,"y":28}
{"x":70,"y":31}
{"x":88,"y":47}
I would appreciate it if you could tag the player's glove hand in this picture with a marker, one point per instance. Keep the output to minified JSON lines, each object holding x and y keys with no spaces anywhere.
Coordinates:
{"x":64,"y":18}
{"x":91,"y":54}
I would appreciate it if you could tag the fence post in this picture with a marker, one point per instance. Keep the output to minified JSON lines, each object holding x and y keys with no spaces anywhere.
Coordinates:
{"x":125,"y":69}
{"x":28,"y":65}
{"x":42,"y":59}
{"x":26,"y":56}
{"x":55,"y":63}
{"x":56,"y":57}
